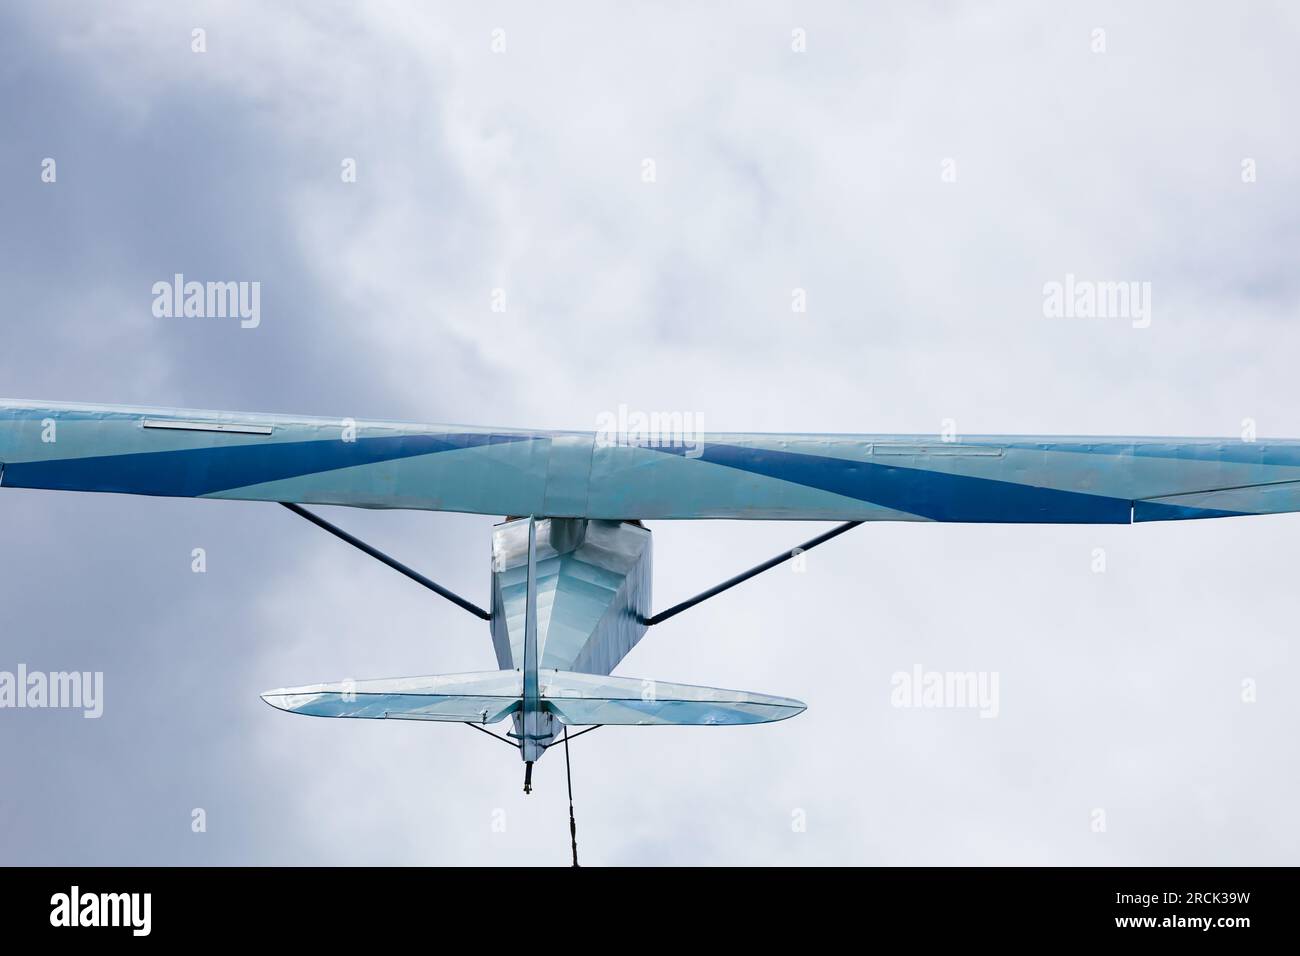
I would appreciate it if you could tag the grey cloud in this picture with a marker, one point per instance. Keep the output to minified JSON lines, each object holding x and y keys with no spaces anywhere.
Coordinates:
{"x":1119,"y":690}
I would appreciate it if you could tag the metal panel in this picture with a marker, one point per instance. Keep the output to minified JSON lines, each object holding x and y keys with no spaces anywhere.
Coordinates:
{"x":237,"y":428}
{"x":593,"y":592}
{"x":936,"y":449}
{"x":567,"y":471}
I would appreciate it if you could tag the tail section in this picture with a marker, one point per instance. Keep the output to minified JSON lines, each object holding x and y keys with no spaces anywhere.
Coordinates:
{"x":484,"y":697}
{"x":578,"y":699}
{"x":573,"y":699}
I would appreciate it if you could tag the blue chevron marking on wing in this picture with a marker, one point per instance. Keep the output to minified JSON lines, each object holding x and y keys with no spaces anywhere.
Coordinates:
{"x":191,"y":472}
{"x":939,"y":496}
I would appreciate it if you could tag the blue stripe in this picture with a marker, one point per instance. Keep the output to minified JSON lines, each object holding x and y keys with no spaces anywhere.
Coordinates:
{"x":190,"y":472}
{"x":1159,"y":511}
{"x":929,"y":494}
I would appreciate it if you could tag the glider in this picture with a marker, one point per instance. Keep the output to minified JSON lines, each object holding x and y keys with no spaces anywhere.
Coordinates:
{"x":571,"y":564}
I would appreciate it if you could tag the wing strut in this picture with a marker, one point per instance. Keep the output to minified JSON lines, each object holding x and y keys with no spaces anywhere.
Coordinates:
{"x":532,"y":696}
{"x":393,"y":563}
{"x":752,"y":572}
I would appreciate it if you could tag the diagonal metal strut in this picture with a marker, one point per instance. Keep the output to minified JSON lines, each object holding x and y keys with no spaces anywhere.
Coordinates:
{"x":393,"y":563}
{"x":752,"y":572}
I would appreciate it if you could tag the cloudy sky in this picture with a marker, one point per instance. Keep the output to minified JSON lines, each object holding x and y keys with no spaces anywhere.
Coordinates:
{"x":919,"y":170}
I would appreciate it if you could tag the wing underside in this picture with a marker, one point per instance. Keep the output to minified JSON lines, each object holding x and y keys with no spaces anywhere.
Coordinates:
{"x":641,"y":476}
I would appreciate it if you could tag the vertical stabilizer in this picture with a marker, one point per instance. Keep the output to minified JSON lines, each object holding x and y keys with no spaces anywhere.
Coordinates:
{"x":533,"y":736}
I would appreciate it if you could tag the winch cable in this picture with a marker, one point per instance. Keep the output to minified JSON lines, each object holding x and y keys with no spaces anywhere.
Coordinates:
{"x":568,"y":774}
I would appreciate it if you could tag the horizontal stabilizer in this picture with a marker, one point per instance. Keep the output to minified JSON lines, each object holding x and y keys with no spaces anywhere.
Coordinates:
{"x":480,"y":698}
{"x":576,"y":699}
{"x":581,"y":699}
